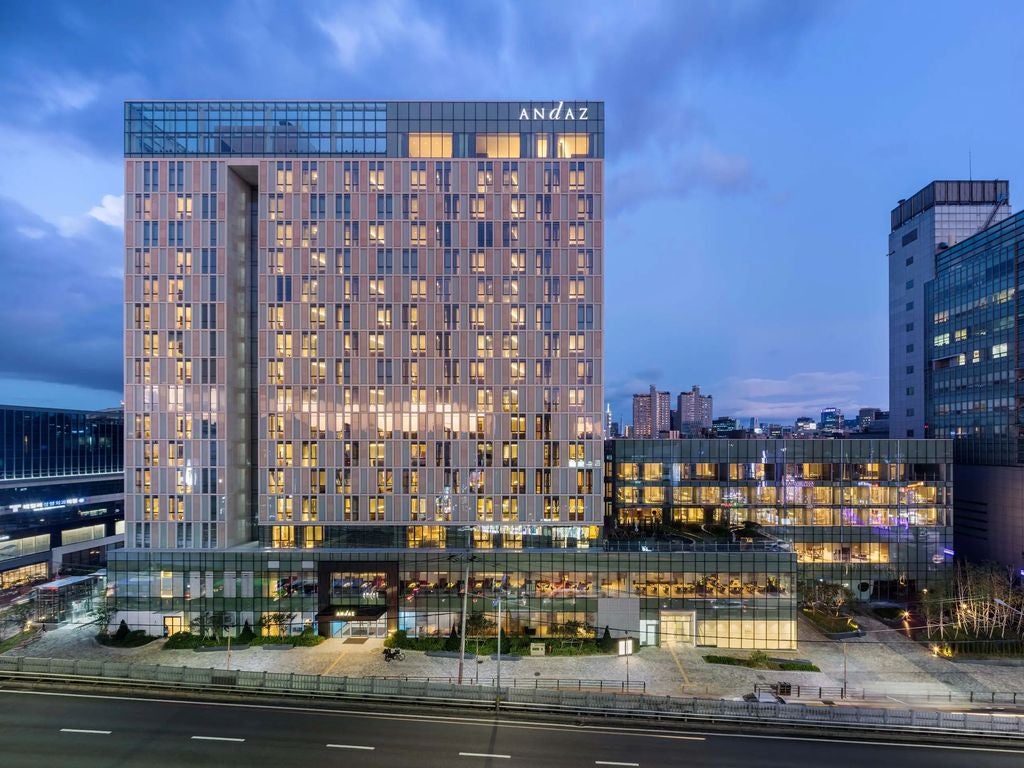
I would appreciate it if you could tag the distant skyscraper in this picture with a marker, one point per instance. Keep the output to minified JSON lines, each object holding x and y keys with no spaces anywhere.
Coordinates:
{"x":805,"y":424}
{"x":695,"y":411}
{"x":940,"y":215}
{"x":608,"y":420}
{"x":831,"y":419}
{"x":867,"y":415}
{"x":651,"y":414}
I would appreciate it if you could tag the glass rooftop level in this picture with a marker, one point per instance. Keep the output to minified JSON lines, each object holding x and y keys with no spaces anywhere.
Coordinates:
{"x":413,"y":129}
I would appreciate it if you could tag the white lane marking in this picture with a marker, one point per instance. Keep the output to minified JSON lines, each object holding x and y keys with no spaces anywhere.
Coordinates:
{"x":348,"y":746}
{"x":84,"y":730}
{"x":216,"y":738}
{"x":609,"y":762}
{"x":523,"y":725}
{"x":484,"y":754}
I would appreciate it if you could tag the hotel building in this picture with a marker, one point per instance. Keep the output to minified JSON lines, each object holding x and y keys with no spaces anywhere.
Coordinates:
{"x":364,"y":360}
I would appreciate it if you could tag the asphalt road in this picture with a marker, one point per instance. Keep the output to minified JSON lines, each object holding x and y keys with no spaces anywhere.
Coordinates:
{"x":41,"y":729}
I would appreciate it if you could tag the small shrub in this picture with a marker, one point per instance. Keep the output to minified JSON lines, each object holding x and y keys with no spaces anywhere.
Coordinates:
{"x":246,"y":636}
{"x":182,"y":640}
{"x":122,"y":632}
{"x":607,"y":644}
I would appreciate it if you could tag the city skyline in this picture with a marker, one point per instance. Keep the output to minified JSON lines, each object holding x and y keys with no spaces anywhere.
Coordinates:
{"x":721,"y":90}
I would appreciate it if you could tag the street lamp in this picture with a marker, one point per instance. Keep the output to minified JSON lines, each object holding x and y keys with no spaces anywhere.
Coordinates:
{"x":466,"y":558}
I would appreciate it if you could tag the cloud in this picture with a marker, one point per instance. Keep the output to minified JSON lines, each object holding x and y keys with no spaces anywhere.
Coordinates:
{"x":110,"y":211}
{"x":363,"y":32}
{"x":705,"y":170}
{"x":60,"y":302}
{"x":802,"y":394}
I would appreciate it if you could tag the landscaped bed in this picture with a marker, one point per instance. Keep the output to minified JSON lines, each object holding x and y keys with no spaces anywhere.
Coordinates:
{"x":760,"y":660}
{"x":830,"y":624}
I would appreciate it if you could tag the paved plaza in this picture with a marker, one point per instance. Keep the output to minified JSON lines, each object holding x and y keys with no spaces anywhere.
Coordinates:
{"x":884,"y":661}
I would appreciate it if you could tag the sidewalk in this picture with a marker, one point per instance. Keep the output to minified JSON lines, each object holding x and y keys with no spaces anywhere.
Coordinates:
{"x":882,"y":662}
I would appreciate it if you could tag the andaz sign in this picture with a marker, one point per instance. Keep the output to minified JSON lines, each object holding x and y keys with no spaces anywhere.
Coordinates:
{"x":557,"y":112}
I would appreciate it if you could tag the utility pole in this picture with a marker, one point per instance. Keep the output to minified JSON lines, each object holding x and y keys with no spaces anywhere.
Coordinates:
{"x":844,"y":669}
{"x":465,"y":608}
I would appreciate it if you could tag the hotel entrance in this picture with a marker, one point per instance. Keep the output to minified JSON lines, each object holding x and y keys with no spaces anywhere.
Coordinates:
{"x":357,"y":599}
{"x":677,"y":628}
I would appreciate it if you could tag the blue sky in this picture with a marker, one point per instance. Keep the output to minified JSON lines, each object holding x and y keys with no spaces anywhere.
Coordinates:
{"x":754,"y":151}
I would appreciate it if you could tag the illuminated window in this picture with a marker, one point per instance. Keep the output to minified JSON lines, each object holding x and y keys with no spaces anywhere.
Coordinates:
{"x":573,"y":145}
{"x":497,"y":145}
{"x":430,"y":145}
{"x":999,"y":351}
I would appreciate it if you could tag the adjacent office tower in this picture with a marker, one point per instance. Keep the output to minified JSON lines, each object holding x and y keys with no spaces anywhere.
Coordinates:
{"x":975,"y":365}
{"x":651,"y":414}
{"x":695,"y":412}
{"x":939,"y":216}
{"x":831,"y":420}
{"x":348,"y":316}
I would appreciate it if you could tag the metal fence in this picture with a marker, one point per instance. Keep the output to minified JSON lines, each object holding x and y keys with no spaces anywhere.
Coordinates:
{"x":537,"y":683}
{"x":575,"y":703}
{"x":838,"y":693}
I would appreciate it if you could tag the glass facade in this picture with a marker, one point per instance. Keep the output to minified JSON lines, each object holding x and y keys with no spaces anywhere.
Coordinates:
{"x":973,"y":308}
{"x":467,"y":129}
{"x":716,"y":598}
{"x":61,"y":485}
{"x":46,"y":443}
{"x":874,"y":515}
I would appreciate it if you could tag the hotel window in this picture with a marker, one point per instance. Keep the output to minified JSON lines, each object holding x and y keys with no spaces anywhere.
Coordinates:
{"x":509,"y":509}
{"x":350,"y":233}
{"x":484,"y":344}
{"x":417,"y":233}
{"x":318,"y":207}
{"x":377,"y":286}
{"x":485,"y":509}
{"x":509,"y":289}
{"x":284,"y":176}
{"x":510,"y":175}
{"x":577,"y":176}
{"x":377,"y":179}
{"x":577,"y":233}
{"x":377,"y":508}
{"x":318,"y":261}
{"x":430,"y":145}
{"x":584,"y":205}
{"x":577,"y":509}
{"x":584,"y":262}
{"x":577,"y":343}
{"x":497,"y":145}
{"x":477,"y":372}
{"x":418,"y":343}
{"x":183,"y":207}
{"x":510,"y":400}
{"x":552,"y":345}
{"x":484,"y":177}
{"x":443,"y":176}
{"x":275,"y":371}
{"x":573,"y":145}
{"x":510,"y":345}
{"x":485,"y":289}
{"x":310,"y":175}
{"x":411,"y":207}
{"x":477,"y":316}
{"x":552,"y":177}
{"x":577,"y":289}
{"x":577,"y":397}
{"x":451,"y":262}
{"x":477,"y":207}
{"x":309,"y":344}
{"x":417,"y":175}
{"x":478,"y":262}
{"x":509,"y":233}
{"x":517,"y":371}
{"x":376,"y":344}
{"x":541,"y":145}
{"x":517,"y":316}
{"x":410,"y":316}
{"x":376,"y":454}
{"x":377,"y":235}
{"x":418,"y":289}
{"x":517,"y":426}
{"x":318,"y":315}
{"x":350,"y":508}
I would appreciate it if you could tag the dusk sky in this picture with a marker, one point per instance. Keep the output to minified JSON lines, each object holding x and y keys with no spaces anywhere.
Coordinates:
{"x":753,"y":152}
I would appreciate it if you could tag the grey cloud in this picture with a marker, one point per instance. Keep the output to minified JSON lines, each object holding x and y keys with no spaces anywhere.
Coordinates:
{"x":60,"y":306}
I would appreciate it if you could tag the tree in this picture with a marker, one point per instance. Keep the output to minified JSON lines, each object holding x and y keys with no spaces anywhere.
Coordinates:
{"x":122,"y":632}
{"x":246,"y":635}
{"x":222,"y":623}
{"x":478,"y":624}
{"x":201,"y":623}
{"x":607,"y":644}
{"x":452,"y":643}
{"x":279,"y":621}
{"x":104,"y":613}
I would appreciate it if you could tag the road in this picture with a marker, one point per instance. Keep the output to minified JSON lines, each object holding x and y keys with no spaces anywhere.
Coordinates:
{"x":50,"y":728}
